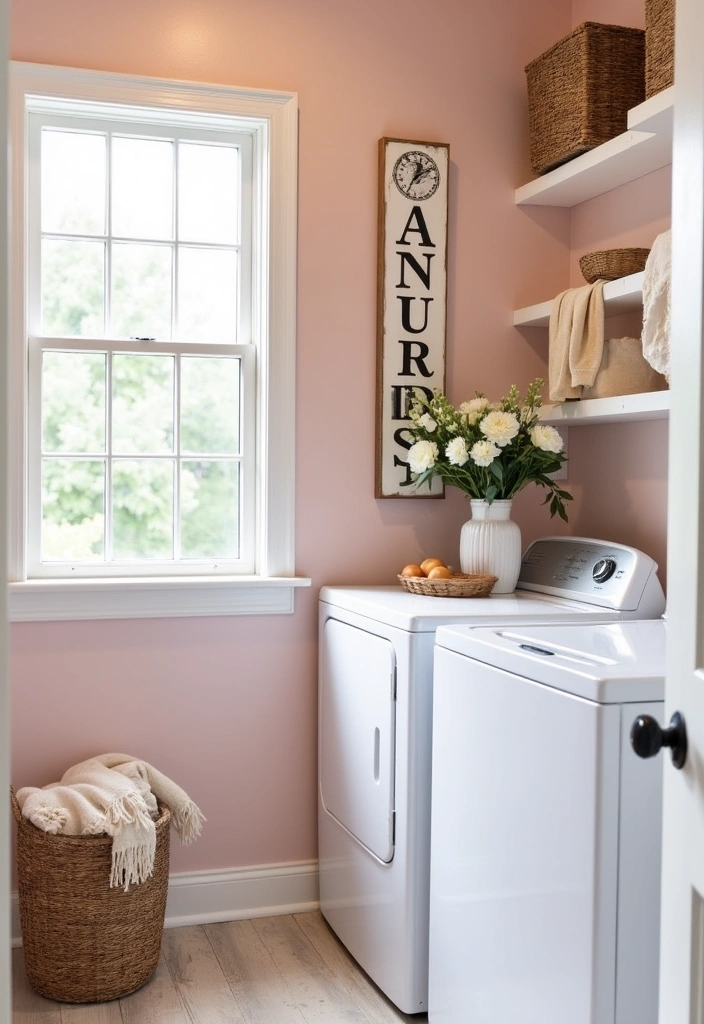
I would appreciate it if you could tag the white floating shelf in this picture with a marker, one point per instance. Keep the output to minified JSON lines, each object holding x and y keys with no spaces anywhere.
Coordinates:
{"x":654,"y":405}
{"x":655,"y":114}
{"x":644,"y":147}
{"x":622,"y":296}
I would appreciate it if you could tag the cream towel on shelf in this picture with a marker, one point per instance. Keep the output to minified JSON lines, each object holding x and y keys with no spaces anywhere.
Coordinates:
{"x":116,"y":795}
{"x":656,"y":304}
{"x":576,"y":340}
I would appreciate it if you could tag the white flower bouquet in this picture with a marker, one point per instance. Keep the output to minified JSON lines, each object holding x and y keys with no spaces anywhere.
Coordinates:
{"x":489,"y":450}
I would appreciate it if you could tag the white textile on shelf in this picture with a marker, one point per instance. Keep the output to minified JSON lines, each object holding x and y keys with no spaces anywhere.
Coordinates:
{"x":656,"y":304}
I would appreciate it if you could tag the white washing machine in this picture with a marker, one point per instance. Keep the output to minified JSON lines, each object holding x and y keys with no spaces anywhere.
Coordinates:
{"x":546,"y":827}
{"x":375,"y":736}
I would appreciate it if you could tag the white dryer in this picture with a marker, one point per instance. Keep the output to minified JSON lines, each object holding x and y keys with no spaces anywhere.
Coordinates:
{"x":546,"y":827}
{"x":375,"y":736}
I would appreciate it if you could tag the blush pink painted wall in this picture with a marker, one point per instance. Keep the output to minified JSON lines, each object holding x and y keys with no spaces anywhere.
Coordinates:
{"x":227,"y":706}
{"x":611,"y":12}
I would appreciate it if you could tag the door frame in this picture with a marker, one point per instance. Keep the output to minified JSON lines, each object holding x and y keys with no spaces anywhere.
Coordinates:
{"x":5,"y":958}
{"x":682,"y":917}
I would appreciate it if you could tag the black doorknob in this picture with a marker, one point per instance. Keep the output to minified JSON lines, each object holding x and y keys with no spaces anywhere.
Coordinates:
{"x":648,"y":736}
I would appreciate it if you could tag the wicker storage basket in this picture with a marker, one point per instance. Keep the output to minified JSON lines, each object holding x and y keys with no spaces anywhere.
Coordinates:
{"x":659,"y":45}
{"x":581,"y":89}
{"x":459,"y":585}
{"x":610,"y":264}
{"x":83,"y":941}
{"x":624,"y":370}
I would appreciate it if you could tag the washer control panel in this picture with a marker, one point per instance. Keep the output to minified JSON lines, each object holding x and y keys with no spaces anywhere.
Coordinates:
{"x":594,"y":571}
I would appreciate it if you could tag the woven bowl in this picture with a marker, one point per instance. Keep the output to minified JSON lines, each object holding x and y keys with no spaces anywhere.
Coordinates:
{"x":461,"y":584}
{"x":610,"y":264}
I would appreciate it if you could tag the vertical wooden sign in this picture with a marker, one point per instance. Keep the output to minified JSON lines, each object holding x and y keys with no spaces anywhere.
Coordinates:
{"x":411,"y":301}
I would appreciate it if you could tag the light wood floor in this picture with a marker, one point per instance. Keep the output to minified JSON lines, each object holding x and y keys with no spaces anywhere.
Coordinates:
{"x":271,"y":970}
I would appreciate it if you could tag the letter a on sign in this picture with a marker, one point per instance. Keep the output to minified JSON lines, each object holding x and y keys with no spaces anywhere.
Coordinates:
{"x":411,"y":301}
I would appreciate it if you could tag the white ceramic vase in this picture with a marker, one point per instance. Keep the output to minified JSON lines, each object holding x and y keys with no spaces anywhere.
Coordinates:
{"x":490,"y":542}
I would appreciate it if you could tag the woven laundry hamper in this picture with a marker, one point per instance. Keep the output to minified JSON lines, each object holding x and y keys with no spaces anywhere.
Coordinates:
{"x":83,"y":941}
{"x":659,"y":45}
{"x":581,"y":89}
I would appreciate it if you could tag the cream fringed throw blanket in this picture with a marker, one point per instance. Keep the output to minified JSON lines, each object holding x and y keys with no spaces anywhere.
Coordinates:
{"x":576,"y":340}
{"x":117,"y":795}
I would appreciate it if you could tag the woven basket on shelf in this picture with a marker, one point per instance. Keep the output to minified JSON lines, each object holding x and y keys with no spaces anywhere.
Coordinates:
{"x":659,"y":45}
{"x":83,"y":941}
{"x":581,"y":89}
{"x":610,"y":264}
{"x":461,"y":584}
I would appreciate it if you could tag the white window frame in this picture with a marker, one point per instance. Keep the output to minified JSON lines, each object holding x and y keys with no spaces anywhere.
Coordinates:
{"x":272,"y":120}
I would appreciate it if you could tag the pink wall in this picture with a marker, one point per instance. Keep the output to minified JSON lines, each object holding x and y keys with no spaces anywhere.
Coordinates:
{"x":227,"y":706}
{"x":611,"y":12}
{"x":630,"y":12}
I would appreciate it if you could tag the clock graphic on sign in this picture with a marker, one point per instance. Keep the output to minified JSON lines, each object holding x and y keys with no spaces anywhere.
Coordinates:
{"x":416,"y":175}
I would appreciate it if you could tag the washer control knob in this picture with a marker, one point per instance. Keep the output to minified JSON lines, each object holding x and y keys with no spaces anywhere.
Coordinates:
{"x":604,"y":570}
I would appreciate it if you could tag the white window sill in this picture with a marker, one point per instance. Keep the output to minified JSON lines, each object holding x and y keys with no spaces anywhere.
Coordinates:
{"x":61,"y":600}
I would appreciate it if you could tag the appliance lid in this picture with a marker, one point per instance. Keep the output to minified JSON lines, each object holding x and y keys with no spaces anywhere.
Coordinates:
{"x":608,"y":663}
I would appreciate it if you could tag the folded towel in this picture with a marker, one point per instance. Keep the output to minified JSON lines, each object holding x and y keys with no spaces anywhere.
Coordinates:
{"x":576,"y":340}
{"x":116,"y":795}
{"x":656,"y":304}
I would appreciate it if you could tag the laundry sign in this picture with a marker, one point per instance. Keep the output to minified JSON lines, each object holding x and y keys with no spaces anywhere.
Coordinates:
{"x":411,"y":302}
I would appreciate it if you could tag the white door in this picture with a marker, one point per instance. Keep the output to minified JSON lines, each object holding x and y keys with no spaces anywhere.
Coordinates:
{"x":357,"y":733}
{"x":682,"y":933}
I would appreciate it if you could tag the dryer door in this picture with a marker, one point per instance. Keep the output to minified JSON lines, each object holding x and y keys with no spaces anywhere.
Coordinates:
{"x":357,"y":733}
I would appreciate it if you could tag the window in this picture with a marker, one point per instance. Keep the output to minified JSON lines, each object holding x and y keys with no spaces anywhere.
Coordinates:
{"x":153,"y":344}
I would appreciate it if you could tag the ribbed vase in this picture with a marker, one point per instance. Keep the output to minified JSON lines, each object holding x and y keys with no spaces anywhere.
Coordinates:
{"x":491,"y":542}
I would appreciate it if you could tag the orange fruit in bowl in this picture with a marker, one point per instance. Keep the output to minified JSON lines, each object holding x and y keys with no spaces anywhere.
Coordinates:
{"x":430,"y":563}
{"x":412,"y":570}
{"x":440,"y":572}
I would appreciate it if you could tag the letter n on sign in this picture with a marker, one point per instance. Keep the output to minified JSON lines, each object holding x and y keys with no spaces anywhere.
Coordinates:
{"x":412,"y":300}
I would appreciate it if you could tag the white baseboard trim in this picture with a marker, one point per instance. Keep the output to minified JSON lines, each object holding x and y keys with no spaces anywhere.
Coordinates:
{"x":204,"y":897}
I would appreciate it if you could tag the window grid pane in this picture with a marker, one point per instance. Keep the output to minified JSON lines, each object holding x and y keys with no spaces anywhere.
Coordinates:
{"x":142,"y":509}
{"x":209,"y":509}
{"x":164,"y":502}
{"x":141,"y":290}
{"x":108,"y":492}
{"x":141,"y":278}
{"x":208,"y":193}
{"x":73,"y":510}
{"x":74,"y":406}
{"x":73,"y":198}
{"x":142,"y":188}
{"x":142,"y":404}
{"x":66,"y":312}
{"x":206,"y":294}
